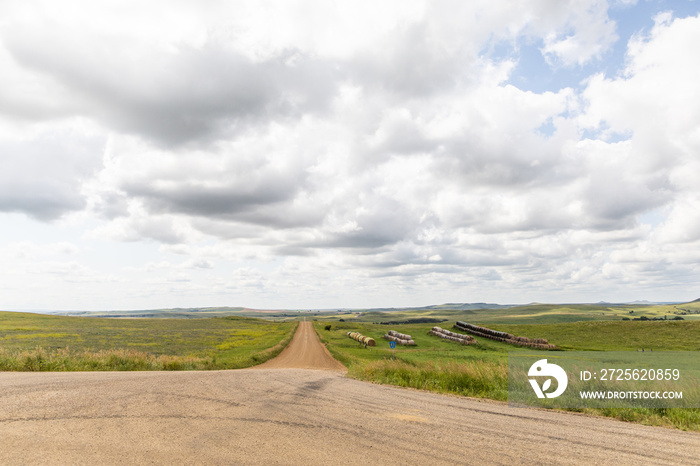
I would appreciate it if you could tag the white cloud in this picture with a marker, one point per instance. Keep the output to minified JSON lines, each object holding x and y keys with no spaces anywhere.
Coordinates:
{"x":269,"y":147}
{"x":656,"y":104}
{"x":25,"y":250}
{"x":43,"y":166}
{"x":587,"y":34}
{"x":656,"y":92}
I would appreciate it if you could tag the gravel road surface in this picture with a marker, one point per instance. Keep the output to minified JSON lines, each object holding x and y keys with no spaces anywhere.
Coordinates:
{"x":305,"y":351}
{"x":298,"y":416}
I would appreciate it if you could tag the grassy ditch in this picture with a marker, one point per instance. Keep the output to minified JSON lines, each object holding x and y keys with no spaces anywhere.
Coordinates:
{"x":481,"y":370}
{"x":34,"y":342}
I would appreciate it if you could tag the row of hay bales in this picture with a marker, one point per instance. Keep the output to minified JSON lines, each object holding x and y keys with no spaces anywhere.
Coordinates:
{"x":400,"y":338}
{"x":536,"y":343}
{"x":367,"y":341}
{"x":452,"y":336}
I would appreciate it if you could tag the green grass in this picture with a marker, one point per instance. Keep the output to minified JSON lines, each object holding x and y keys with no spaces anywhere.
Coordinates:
{"x":433,"y":364}
{"x":482,"y":370}
{"x":614,"y":335}
{"x":35,"y":342}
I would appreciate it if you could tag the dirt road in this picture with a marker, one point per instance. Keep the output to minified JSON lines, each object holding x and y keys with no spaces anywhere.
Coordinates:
{"x":297,"y":416}
{"x":305,"y":351}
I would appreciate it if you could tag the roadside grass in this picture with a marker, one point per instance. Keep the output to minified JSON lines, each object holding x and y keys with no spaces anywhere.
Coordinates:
{"x":35,"y":342}
{"x":679,"y":418}
{"x":481,"y":370}
{"x":476,"y":379}
{"x":433,"y":364}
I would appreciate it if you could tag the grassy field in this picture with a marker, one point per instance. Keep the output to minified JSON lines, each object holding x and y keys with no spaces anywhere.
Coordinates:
{"x":482,"y":370}
{"x":614,"y":335}
{"x":35,"y":342}
{"x":433,"y":364}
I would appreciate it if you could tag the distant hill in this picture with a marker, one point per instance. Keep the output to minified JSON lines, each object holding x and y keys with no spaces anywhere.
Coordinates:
{"x":431,"y":310}
{"x":642,"y":302}
{"x":446,"y":306}
{"x":178,"y":313}
{"x":469,"y":306}
{"x":199,"y":312}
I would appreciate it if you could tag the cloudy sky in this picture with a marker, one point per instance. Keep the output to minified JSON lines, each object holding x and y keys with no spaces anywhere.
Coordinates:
{"x":315,"y":154}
